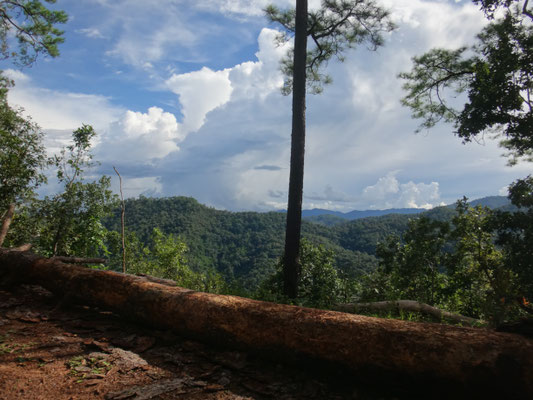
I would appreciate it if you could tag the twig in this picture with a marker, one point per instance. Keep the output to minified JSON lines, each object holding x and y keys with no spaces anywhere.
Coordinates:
{"x":122,"y":217}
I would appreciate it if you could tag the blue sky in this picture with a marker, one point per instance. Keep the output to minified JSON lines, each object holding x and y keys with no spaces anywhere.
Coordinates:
{"x":185,"y":97}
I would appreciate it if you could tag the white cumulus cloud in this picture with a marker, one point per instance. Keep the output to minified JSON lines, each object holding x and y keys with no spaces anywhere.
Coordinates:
{"x":205,"y":90}
{"x":388,"y":192}
{"x":141,"y":137}
{"x":200,"y":92}
{"x":262,"y":77}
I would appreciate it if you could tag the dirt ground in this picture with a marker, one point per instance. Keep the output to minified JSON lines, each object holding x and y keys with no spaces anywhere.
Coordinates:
{"x":49,"y":350}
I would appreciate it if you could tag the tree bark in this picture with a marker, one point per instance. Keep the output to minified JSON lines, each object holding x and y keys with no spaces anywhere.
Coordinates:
{"x":409,"y":306}
{"x":291,"y":270}
{"x":440,"y":361}
{"x":6,"y":223}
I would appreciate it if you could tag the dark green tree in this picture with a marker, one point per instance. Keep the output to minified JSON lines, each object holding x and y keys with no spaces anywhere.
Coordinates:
{"x":414,"y":267}
{"x":336,"y":26}
{"x":320,"y":286}
{"x":477,"y":264}
{"x":22,"y":158}
{"x":22,"y":155}
{"x":496,"y":75}
{"x":33,"y":26}
{"x":515,"y":236}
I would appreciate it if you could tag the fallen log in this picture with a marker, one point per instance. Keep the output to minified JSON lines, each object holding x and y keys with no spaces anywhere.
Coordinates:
{"x":442,"y":361}
{"x":406,"y":306}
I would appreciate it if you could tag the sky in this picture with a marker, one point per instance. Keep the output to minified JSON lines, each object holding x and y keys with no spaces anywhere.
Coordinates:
{"x":185,"y":97}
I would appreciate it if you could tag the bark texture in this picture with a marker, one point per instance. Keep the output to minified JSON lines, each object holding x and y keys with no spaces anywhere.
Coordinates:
{"x":452,"y":362}
{"x":291,"y":270}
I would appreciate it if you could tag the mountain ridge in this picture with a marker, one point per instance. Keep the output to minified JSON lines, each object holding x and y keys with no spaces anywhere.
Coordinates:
{"x":245,"y":246}
{"x":330,"y":217}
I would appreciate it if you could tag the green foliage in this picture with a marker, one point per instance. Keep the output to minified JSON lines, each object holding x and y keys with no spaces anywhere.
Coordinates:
{"x":478,"y":275}
{"x":497,"y":78}
{"x":168,"y":253}
{"x":70,"y":222}
{"x":164,"y":257}
{"x":489,"y":262}
{"x":319,"y":284}
{"x":136,"y":262}
{"x":489,"y":7}
{"x":468,"y":265}
{"x":515,"y":235}
{"x":416,"y":267}
{"x":336,"y":26}
{"x":432,"y":75}
{"x":33,"y":25}
{"x":244,"y":247}
{"x":22,"y":154}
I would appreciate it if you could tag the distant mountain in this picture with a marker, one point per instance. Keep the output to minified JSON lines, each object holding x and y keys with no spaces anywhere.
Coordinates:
{"x":492,"y":202}
{"x":356,"y":214}
{"x":378,"y":213}
{"x":332,"y":218}
{"x":320,"y":211}
{"x":326,"y":219}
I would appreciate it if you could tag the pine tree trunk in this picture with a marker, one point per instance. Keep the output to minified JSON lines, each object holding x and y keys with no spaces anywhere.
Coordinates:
{"x":6,"y":223}
{"x":291,"y":269}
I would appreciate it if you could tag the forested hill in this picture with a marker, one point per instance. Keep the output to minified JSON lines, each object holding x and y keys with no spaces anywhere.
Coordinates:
{"x":246,"y":245}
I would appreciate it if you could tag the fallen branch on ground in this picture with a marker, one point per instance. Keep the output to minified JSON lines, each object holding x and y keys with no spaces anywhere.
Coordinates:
{"x":407,"y":306}
{"x":23,"y":247}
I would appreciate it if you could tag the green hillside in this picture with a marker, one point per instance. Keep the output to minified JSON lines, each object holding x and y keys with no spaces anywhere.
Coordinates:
{"x":245,"y":246}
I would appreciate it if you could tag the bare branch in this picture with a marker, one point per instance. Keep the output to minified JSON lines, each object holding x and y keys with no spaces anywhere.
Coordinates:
{"x":409,"y":306}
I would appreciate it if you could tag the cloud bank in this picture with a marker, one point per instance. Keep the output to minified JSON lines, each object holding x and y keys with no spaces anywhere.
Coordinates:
{"x":215,"y":126}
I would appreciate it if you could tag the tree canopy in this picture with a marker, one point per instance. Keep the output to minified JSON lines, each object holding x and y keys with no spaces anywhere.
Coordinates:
{"x":489,"y":253}
{"x":22,"y":154}
{"x":496,"y":75}
{"x":22,"y":158}
{"x":338,"y":25}
{"x":33,"y":26}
